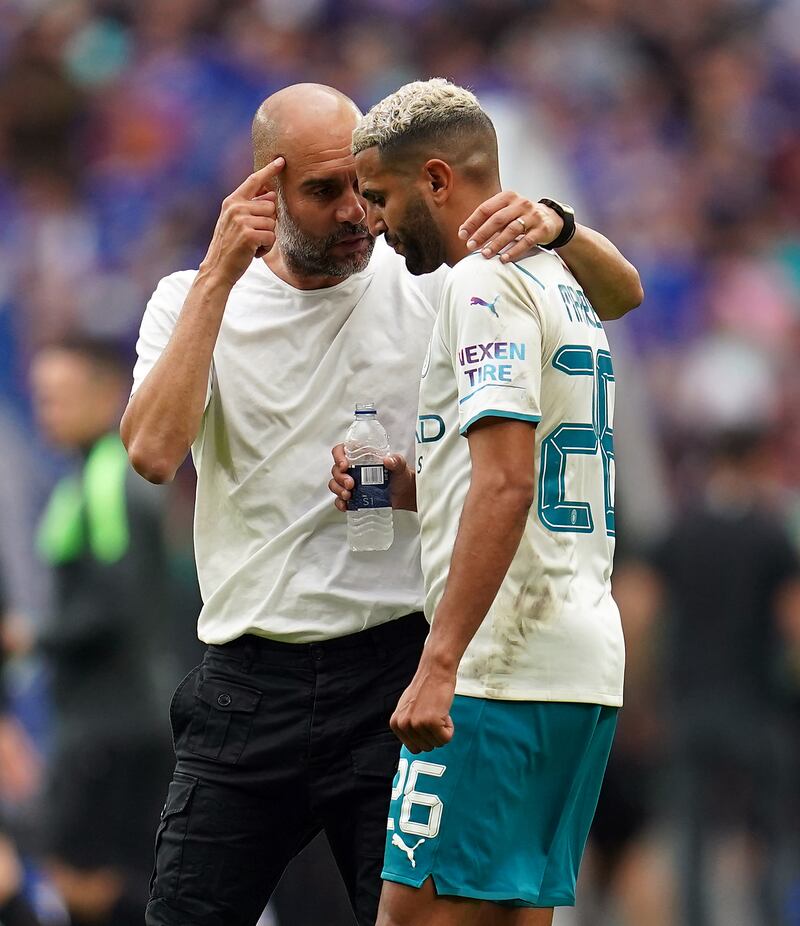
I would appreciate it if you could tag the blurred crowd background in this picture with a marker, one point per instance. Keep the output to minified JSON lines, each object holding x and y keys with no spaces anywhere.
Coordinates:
{"x":674,"y":128}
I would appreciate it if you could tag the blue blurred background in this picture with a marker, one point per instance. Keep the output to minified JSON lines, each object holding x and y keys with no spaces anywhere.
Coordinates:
{"x":674,"y":128}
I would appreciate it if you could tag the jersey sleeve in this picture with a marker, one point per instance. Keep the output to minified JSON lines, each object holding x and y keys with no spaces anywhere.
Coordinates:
{"x":495,"y":337}
{"x":158,"y":323}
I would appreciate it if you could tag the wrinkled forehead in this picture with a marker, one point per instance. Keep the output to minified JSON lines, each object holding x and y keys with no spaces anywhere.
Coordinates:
{"x":332,"y":163}
{"x":318,"y":148}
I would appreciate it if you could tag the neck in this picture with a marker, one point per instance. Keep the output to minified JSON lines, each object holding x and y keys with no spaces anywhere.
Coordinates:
{"x":459,"y":208}
{"x":277,"y":263}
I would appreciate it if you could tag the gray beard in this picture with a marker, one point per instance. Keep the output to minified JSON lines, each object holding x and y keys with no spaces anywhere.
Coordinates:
{"x":307,"y":255}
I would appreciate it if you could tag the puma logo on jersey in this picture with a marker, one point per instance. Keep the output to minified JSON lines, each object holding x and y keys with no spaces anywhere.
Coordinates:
{"x":409,"y":850}
{"x":475,"y":300}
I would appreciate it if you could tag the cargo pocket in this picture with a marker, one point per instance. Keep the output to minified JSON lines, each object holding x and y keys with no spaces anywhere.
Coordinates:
{"x":179,"y":711}
{"x":221,"y":720}
{"x":170,"y":837}
{"x":377,"y":757}
{"x":374,"y":766}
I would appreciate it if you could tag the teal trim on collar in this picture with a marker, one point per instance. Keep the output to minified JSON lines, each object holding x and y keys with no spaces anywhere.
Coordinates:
{"x":529,"y":274}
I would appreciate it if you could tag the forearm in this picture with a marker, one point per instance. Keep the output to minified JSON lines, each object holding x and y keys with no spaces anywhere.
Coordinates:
{"x":482,"y":553}
{"x":163,"y":416}
{"x":611,"y":283}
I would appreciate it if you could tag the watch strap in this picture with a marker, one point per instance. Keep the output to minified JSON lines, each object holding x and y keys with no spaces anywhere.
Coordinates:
{"x":567,"y":216}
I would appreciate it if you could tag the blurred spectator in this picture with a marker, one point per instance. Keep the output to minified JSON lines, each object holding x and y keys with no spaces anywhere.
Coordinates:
{"x":19,"y":777}
{"x":675,"y":126}
{"x":102,"y":535}
{"x":629,"y":872}
{"x":732,"y":583}
{"x":14,"y":908}
{"x":22,"y":490}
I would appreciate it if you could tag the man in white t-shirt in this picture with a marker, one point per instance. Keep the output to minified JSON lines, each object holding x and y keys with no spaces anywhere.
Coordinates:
{"x":508,"y":722}
{"x":256,"y":365}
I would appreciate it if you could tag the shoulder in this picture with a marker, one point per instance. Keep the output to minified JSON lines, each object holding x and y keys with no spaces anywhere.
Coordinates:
{"x":386,"y":264}
{"x":540,"y":269}
{"x":171,"y":291}
{"x":389,"y":269}
{"x":526,"y":282}
{"x":472,"y":268}
{"x":385,"y":255}
{"x":180,"y":280}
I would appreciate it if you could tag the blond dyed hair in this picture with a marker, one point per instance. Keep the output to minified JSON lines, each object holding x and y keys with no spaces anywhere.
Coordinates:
{"x":422,"y":109}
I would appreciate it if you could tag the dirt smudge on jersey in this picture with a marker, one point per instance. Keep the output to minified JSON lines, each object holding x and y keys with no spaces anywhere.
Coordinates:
{"x":514,"y":620}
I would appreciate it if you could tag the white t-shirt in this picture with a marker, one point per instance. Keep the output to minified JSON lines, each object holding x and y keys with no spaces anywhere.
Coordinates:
{"x":288,"y":368}
{"x":521,"y":341}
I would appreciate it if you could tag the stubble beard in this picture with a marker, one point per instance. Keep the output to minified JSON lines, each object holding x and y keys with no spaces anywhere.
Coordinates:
{"x":307,"y":255}
{"x":422,"y":242}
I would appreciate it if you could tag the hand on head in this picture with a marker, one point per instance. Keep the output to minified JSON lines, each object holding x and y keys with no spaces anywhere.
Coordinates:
{"x":246,"y":225}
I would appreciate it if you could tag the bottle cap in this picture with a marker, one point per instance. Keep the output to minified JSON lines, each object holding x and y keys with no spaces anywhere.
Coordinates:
{"x":366,"y":408}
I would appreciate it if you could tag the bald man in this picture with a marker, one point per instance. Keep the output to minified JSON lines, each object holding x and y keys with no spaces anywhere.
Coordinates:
{"x":255,"y":362}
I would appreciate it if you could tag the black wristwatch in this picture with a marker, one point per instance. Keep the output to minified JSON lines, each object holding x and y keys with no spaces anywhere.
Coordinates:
{"x":567,"y":214}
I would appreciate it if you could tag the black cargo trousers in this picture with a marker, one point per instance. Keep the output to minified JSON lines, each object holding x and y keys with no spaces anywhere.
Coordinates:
{"x":275,"y":742}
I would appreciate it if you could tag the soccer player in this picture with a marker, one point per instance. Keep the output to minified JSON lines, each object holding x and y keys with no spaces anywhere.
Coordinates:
{"x":508,"y":721}
{"x":256,"y":364}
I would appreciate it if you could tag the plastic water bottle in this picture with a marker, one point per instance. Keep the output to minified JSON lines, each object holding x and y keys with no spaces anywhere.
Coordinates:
{"x":369,"y":510}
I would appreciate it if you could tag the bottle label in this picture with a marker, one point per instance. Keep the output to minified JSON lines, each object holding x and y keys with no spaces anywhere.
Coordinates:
{"x":371,"y":487}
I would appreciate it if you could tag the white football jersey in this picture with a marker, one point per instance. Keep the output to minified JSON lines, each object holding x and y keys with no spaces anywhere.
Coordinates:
{"x":522,"y":341}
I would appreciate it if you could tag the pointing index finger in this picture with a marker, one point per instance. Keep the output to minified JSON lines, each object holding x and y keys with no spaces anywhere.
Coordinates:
{"x":261,"y":180}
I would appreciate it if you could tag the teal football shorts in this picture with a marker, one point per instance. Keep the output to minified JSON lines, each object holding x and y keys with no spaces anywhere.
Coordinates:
{"x":503,"y":811}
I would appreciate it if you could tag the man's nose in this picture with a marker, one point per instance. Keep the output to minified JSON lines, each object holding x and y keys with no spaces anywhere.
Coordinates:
{"x":375,"y":221}
{"x":350,"y":209}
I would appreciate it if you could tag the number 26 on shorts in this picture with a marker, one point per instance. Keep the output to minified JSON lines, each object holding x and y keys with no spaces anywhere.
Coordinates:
{"x":406,"y":784}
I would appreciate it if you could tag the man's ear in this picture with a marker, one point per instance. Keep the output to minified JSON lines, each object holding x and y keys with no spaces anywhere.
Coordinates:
{"x":439,"y":176}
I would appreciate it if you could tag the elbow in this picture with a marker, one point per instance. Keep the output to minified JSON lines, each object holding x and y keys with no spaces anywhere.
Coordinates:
{"x":150,"y":460}
{"x":522,"y":499}
{"x":631,"y":294}
{"x":512,"y":492}
{"x":636,"y":290}
{"x":152,"y":467}
{"x":150,"y":464}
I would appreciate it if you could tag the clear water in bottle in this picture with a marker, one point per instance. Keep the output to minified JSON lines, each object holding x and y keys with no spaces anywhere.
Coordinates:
{"x":369,"y":511}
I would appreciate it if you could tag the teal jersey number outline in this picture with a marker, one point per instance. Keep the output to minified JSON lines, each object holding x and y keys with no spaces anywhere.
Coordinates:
{"x":556,"y":512}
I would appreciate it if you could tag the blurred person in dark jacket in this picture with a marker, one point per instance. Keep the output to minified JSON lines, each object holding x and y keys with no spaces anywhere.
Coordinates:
{"x":19,"y":776}
{"x":731,"y":578}
{"x":629,"y":871}
{"x":101,"y":534}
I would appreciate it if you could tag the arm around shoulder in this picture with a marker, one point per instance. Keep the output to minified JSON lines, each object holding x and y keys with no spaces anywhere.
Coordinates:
{"x":611,"y":282}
